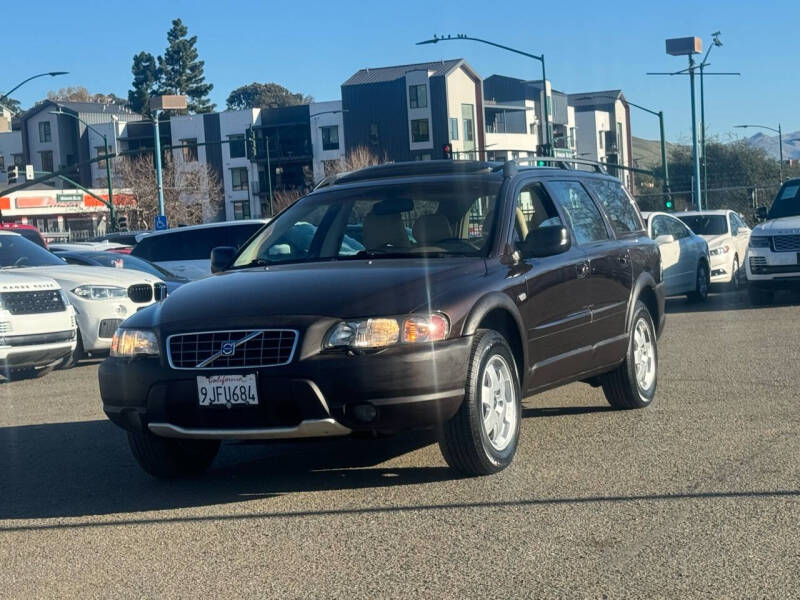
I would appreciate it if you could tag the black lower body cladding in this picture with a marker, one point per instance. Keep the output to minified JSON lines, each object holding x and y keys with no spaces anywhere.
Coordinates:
{"x":408,"y":386}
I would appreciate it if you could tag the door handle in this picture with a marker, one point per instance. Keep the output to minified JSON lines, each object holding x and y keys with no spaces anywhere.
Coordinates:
{"x":582,"y":269}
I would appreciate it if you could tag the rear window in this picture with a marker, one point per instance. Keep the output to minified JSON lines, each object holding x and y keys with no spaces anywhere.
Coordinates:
{"x":193,"y":244}
{"x":31,"y":235}
{"x":618,"y":205}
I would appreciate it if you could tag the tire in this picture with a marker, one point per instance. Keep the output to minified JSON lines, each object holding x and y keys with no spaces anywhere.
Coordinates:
{"x":702,"y":283}
{"x":625,"y":387}
{"x":482,"y":436}
{"x":737,"y":281}
{"x":72,"y":359}
{"x":168,"y":458}
{"x":760,"y":296}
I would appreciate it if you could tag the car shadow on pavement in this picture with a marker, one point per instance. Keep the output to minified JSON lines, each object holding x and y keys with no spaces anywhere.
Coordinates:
{"x":85,"y":468}
{"x":727,"y":301}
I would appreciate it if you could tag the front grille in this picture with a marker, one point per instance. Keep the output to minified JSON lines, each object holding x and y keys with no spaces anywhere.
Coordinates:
{"x":759,"y":266}
{"x":141,"y":292}
{"x":28,"y":303}
{"x":248,"y":348}
{"x":786,"y":243}
{"x":37,"y":338}
{"x":758,"y":261}
{"x":159,"y":291}
{"x":108,"y":327}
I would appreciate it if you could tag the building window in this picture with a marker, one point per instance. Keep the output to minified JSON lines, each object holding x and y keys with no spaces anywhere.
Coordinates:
{"x":241,"y":209}
{"x":236,"y":145}
{"x":100,"y":152}
{"x":45,"y":134}
{"x":239,"y":179}
{"x":572,"y":137}
{"x":453,"y":128}
{"x":189,"y":150}
{"x":17,"y":160}
{"x":330,"y":137}
{"x":418,"y":96}
{"x":419,"y":131}
{"x":469,"y":132}
{"x":374,"y":134}
{"x":424,"y":156}
{"x":46,"y":158}
{"x":619,"y":137}
{"x":2,"y":163}
{"x":600,"y":138}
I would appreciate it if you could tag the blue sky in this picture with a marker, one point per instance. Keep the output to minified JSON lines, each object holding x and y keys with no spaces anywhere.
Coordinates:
{"x":312,"y":47}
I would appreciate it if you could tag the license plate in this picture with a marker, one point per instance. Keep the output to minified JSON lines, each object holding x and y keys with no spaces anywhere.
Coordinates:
{"x":227,"y":390}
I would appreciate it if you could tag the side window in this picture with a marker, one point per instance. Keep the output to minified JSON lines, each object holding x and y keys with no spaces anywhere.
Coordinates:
{"x":585,"y":219}
{"x":677,"y":229}
{"x":618,"y":205}
{"x":534,"y":209}
{"x":660,"y":227}
{"x":239,"y":234}
{"x":296,"y":242}
{"x":738,"y":220}
{"x":732,"y":224}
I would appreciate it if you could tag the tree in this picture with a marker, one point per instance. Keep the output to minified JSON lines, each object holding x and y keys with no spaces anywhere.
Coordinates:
{"x":264,"y":95}
{"x":145,"y":80}
{"x":181,"y":72}
{"x":81,"y":94}
{"x":192,"y":193}
{"x":11,"y":104}
{"x":359,"y":157}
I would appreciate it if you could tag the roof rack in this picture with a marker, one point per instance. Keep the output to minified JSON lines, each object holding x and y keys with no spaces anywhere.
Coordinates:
{"x":405,"y":169}
{"x":559,"y":162}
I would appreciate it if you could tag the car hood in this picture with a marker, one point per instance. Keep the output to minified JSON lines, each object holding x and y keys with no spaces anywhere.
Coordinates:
{"x":783,"y":226}
{"x":716,"y":240}
{"x":74,"y":275}
{"x":348,"y":289}
{"x":23,"y":282}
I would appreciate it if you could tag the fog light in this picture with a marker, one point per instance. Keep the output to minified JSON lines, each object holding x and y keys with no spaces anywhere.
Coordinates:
{"x":364,"y":412}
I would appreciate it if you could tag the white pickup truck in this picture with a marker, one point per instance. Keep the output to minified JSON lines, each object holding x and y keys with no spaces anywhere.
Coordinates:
{"x":37,"y":325}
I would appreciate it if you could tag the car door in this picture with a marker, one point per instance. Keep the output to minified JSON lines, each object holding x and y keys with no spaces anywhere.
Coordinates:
{"x":553,"y":308}
{"x":692,"y":248}
{"x":670,"y":253}
{"x":741,"y":236}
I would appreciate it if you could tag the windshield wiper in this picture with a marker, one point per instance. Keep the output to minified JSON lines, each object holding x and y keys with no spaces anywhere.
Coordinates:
{"x":362,"y":254}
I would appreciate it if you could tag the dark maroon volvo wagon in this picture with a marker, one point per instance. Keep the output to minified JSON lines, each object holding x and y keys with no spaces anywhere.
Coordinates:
{"x":432,"y":294}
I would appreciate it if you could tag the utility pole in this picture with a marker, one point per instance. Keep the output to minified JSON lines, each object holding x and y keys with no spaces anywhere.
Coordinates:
{"x":698,"y":194}
{"x":158,"y":104}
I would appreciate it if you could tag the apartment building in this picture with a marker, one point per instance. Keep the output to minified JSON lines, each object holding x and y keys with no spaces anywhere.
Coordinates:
{"x":604,"y":129}
{"x":411,"y":112}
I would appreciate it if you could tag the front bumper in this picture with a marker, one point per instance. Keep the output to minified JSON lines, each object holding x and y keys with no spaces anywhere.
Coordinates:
{"x":317,"y":395}
{"x":722,"y":268}
{"x":35,"y":355}
{"x":772,"y":270}
{"x":98,"y":319}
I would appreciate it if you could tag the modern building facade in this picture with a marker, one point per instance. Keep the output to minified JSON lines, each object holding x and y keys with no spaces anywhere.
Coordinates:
{"x":411,"y":112}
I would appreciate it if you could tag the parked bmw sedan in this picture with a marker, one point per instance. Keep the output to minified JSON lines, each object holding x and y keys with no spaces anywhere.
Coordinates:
{"x":685,"y":257}
{"x":123,"y":261}
{"x":727,"y":236}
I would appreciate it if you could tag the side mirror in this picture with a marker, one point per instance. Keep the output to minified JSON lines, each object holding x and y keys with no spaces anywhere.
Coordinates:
{"x":221,"y":258}
{"x":665,"y":239}
{"x":761,"y":213}
{"x":547,"y":241}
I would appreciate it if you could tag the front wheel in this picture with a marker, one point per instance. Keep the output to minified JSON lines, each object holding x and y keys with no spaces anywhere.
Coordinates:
{"x":737,"y":277}
{"x":633,"y":383}
{"x":482,"y":436}
{"x":700,"y":293}
{"x":169,"y":458}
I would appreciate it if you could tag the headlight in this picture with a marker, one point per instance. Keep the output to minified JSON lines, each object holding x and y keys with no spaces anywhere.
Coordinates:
{"x":381,"y":332}
{"x":720,"y":250}
{"x":759,"y":241}
{"x":99,"y":292}
{"x":129,"y":343}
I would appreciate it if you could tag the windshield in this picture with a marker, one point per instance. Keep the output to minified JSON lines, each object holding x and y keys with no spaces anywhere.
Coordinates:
{"x":124,"y":261}
{"x":706,"y":224}
{"x":450,"y":217}
{"x":787,"y":203}
{"x":18,"y":252}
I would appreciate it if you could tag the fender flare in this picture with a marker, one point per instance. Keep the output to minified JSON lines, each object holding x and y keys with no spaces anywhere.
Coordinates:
{"x":486,"y":304}
{"x":645,"y":280}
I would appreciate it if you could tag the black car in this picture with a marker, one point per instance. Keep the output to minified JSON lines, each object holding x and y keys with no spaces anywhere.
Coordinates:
{"x":102,"y":258}
{"x":512,"y":281}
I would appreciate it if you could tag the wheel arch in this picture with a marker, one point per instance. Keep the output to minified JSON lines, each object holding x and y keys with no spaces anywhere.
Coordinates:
{"x":498,"y":312}
{"x":644,"y":289}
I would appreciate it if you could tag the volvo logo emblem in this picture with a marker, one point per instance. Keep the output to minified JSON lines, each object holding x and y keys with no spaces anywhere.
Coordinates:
{"x":228,"y":348}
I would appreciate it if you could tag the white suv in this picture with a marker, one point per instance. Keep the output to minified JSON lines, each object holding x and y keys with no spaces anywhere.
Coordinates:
{"x":773,"y":259}
{"x":37,"y":325}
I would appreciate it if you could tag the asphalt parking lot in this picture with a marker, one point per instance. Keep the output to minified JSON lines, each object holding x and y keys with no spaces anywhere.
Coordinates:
{"x":697,"y":496}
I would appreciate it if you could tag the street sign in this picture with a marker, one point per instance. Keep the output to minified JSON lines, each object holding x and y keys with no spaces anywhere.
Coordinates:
{"x":72,"y":198}
{"x":161,"y":222}
{"x":29,"y":173}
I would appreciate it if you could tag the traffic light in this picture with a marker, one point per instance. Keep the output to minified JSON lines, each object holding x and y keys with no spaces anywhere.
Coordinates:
{"x":122,"y":223}
{"x":13,"y":174}
{"x":669,"y":205}
{"x":447,"y":151}
{"x":251,"y":143}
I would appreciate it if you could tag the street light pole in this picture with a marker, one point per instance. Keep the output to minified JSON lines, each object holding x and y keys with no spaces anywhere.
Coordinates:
{"x":111,"y":211}
{"x":159,"y":182}
{"x":698,"y":196}
{"x":548,"y":134}
{"x":21,"y":83}
{"x":779,"y":131}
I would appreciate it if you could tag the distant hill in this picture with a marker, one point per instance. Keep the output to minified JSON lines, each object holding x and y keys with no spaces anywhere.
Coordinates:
{"x":647,"y":153}
{"x":791,"y":144}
